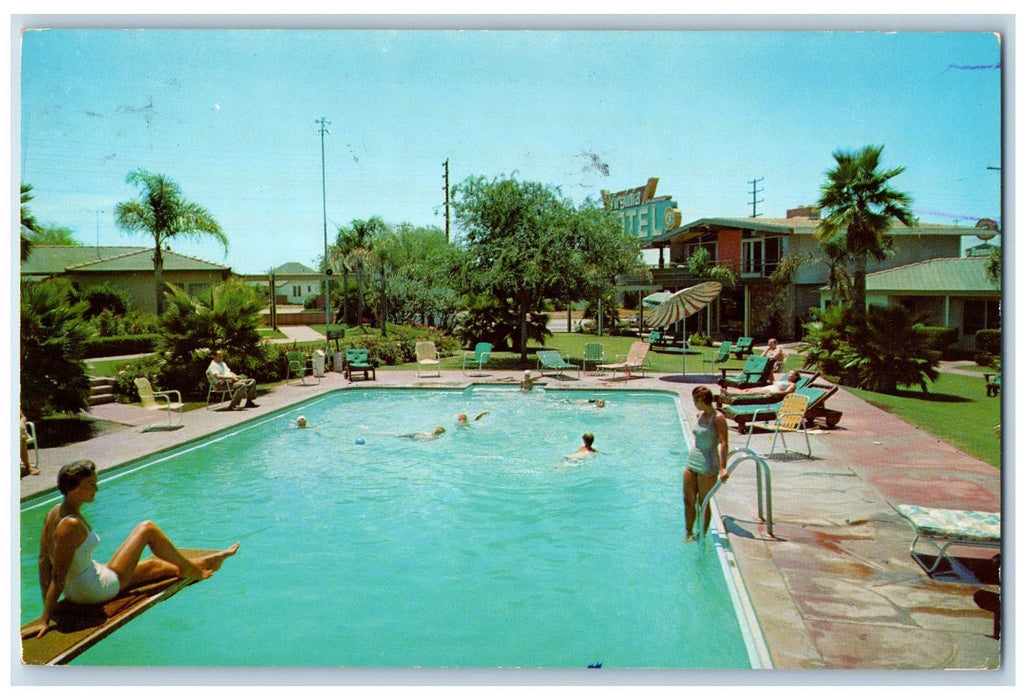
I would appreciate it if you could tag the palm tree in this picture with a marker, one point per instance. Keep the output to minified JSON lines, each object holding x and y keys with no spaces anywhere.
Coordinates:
{"x":163,"y":213}
{"x":28,"y":222}
{"x":859,"y":207}
{"x":358,"y":246}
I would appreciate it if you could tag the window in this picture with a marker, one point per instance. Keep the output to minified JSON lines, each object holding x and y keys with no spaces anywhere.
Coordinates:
{"x":297,"y":290}
{"x":978,"y":314}
{"x":752,"y":257}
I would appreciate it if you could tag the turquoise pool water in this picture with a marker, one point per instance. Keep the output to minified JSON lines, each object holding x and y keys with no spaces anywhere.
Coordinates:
{"x":484,"y":548}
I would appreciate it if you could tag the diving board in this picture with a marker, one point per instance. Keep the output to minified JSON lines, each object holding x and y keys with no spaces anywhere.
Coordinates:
{"x":79,"y":627}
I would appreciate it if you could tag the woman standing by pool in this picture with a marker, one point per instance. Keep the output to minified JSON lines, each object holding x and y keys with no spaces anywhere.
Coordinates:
{"x":67,"y":543}
{"x":707,"y":460}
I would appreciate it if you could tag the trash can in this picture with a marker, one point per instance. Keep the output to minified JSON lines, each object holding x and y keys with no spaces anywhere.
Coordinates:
{"x":318,"y":363}
{"x":338,"y":362}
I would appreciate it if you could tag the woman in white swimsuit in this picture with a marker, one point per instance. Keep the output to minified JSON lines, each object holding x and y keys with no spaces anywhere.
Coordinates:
{"x":66,"y":564}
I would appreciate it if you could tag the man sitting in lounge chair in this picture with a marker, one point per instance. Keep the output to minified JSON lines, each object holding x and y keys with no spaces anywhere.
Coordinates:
{"x":777,"y":390}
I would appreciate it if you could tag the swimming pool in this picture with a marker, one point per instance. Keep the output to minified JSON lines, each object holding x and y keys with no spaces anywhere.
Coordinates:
{"x":484,"y":548}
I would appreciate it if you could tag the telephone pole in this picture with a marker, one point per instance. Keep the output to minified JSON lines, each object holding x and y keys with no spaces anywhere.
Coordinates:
{"x":446,"y":177}
{"x":327,"y":267}
{"x":97,"y":212}
{"x":755,"y":193}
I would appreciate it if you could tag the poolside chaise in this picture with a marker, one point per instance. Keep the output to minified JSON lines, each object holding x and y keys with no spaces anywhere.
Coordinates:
{"x":816,"y":395}
{"x":993,"y":383}
{"x":634,"y":361}
{"x":742,"y":347}
{"x":805,"y":379}
{"x":969,"y":528}
{"x":551,"y":360}
{"x":758,"y":371}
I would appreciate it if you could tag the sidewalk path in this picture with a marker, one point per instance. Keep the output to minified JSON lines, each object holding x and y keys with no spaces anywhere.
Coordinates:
{"x":833,"y":588}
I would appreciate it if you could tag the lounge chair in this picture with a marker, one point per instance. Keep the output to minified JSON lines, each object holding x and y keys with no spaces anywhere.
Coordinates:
{"x":217,"y":387}
{"x":790,"y":418}
{"x":656,"y":338}
{"x":758,"y":371}
{"x":721,"y":356}
{"x":593,"y":353}
{"x":552,"y":361}
{"x":427,"y":355}
{"x":159,"y":400}
{"x":299,"y":364}
{"x":742,"y":347}
{"x":634,"y":361}
{"x":816,"y":395}
{"x":993,"y":383}
{"x":358,"y":360}
{"x":482,"y":351}
{"x":32,"y":442}
{"x":970,"y":528}
{"x":804,"y":379}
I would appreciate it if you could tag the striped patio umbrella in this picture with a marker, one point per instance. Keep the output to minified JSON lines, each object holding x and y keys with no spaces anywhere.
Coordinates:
{"x":683,"y":304}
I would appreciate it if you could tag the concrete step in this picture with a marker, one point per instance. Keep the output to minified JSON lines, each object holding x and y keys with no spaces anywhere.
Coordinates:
{"x":96,"y":399}
{"x":101,"y":390}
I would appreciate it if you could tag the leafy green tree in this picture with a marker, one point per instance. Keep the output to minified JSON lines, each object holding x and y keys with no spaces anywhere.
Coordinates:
{"x":700,"y":265}
{"x":51,"y":234}
{"x":526,"y":244}
{"x":163,"y":213}
{"x":53,"y":378}
{"x":994,"y":267}
{"x":355,"y":250}
{"x":859,"y":206}
{"x":28,"y":221}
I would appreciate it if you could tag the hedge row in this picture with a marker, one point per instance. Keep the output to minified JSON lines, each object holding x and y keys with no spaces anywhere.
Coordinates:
{"x":113,"y":346}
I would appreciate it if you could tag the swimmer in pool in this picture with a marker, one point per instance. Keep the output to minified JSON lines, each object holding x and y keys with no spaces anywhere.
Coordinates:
{"x":527,"y":383}
{"x":437,"y":432}
{"x":598,"y":403}
{"x":301,"y":422}
{"x":462,"y":419}
{"x":586,"y":449}
{"x":66,"y":566}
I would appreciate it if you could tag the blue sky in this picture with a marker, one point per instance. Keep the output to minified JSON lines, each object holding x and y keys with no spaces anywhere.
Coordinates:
{"x":230,"y":116}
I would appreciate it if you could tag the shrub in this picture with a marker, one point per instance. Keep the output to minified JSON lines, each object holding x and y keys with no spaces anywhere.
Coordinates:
{"x":119,"y":345}
{"x":988,"y":340}
{"x":498,"y":325}
{"x":104,"y":297}
{"x":940,"y":338}
{"x":698,"y":339}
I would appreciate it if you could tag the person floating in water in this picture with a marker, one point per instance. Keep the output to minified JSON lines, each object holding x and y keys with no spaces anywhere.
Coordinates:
{"x":301,"y":422}
{"x":66,"y":566}
{"x":707,"y":460}
{"x":462,"y":419}
{"x":597,"y":403}
{"x":437,"y":432}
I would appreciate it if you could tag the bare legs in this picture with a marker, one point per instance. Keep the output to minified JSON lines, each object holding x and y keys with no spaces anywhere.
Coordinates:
{"x":167,"y":561}
{"x":696,"y":488}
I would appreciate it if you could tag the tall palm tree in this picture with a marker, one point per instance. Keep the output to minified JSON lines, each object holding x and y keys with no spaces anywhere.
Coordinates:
{"x":859,"y":207}
{"x":28,"y":221}
{"x":162,"y":212}
{"x":358,"y":244}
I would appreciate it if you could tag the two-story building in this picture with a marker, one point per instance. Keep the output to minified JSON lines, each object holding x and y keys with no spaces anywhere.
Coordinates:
{"x":754,"y":247}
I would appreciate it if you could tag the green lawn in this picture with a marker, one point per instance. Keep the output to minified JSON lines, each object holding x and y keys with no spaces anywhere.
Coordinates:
{"x":957,"y":410}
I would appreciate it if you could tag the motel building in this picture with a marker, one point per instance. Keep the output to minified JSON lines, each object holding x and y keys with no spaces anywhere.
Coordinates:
{"x":753,"y":247}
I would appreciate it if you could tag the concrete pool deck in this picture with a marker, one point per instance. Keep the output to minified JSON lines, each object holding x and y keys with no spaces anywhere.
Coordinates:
{"x":833,"y":588}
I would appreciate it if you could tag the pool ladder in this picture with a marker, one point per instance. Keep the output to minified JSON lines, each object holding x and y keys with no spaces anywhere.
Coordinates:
{"x":763,"y":485}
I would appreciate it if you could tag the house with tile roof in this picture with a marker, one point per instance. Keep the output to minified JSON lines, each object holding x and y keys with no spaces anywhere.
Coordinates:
{"x":128,"y":267}
{"x":753,"y":247}
{"x":952,"y":292}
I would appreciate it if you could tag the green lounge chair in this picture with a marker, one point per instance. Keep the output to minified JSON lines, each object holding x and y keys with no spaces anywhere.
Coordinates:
{"x":299,"y":364}
{"x":593,"y":353}
{"x":758,"y":371}
{"x":816,"y":395}
{"x":743,"y":347}
{"x":552,"y":361}
{"x":721,"y":356}
{"x":482,"y":351}
{"x":358,"y":360}
{"x":805,"y":379}
{"x":993,"y":383}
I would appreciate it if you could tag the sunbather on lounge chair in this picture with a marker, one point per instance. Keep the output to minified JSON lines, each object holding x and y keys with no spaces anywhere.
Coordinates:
{"x":778,"y":389}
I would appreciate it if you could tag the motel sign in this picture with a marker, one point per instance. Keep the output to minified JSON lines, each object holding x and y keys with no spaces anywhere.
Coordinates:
{"x":641,"y":212}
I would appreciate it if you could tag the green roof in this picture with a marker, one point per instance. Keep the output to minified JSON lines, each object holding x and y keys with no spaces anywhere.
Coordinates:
{"x":59,"y":259}
{"x":294,"y":268}
{"x":956,"y":276}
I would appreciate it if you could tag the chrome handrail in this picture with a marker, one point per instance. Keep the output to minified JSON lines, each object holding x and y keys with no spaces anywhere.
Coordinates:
{"x":763,"y":486}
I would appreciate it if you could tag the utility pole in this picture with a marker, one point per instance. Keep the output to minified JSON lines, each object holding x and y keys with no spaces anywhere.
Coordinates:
{"x":327,"y":267}
{"x":97,"y":212}
{"x":755,"y":193}
{"x":446,"y":165}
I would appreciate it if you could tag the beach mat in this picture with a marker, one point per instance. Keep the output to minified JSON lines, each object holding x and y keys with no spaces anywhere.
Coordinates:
{"x":79,"y":627}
